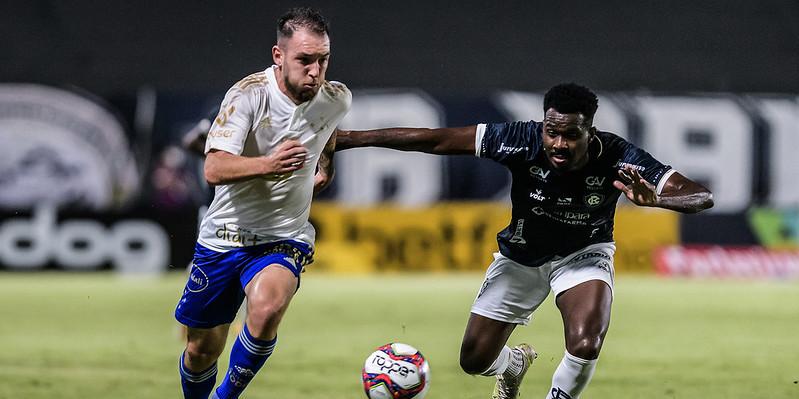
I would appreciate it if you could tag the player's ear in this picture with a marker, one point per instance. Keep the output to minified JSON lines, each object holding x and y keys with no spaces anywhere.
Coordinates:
{"x":277,"y":55}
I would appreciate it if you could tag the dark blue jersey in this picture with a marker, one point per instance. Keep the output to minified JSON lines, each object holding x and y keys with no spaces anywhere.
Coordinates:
{"x":557,"y":213}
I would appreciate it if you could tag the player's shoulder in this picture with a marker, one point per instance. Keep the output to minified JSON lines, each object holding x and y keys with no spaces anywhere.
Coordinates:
{"x":514,"y":127}
{"x":252,"y":82}
{"x":337,"y":91}
{"x":612,"y":143}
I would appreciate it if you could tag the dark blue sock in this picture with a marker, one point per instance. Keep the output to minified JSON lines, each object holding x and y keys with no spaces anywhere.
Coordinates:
{"x":246,"y":358}
{"x":197,"y":385}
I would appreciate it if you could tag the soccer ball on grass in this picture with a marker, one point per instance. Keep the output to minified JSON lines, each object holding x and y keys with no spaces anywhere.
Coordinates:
{"x":396,"y":371}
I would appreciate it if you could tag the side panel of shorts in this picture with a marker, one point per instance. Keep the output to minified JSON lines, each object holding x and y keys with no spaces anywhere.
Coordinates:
{"x":213,"y":293}
{"x":594,"y":262}
{"x":511,"y":292}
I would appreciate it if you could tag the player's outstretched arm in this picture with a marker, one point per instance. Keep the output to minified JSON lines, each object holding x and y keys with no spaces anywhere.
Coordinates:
{"x":447,"y":140}
{"x":679,"y":193}
{"x":222,"y":167}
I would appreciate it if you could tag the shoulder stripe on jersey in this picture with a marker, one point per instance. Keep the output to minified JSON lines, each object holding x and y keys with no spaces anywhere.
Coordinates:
{"x":478,"y":138}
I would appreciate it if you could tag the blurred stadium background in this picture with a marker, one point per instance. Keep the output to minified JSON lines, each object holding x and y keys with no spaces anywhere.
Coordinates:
{"x":96,"y":98}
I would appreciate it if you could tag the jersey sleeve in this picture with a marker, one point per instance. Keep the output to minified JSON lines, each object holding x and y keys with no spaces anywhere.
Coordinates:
{"x":650,"y":168}
{"x":233,"y":122}
{"x":508,"y":142}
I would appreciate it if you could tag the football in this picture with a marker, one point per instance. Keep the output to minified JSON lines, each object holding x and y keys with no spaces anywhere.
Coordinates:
{"x":396,"y":371}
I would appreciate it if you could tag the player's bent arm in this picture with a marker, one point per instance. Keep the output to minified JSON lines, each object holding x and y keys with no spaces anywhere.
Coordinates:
{"x":447,"y":140}
{"x":324,"y":167}
{"x":682,"y":194}
{"x":222,"y":167}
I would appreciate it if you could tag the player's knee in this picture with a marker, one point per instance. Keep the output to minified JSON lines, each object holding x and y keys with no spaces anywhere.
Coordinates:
{"x":263,"y":318}
{"x":267,"y":310}
{"x":472,"y":363}
{"x":202,"y":354}
{"x":585,"y":347}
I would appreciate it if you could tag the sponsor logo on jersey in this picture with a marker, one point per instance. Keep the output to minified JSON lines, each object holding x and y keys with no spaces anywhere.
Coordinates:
{"x":595,"y":181}
{"x":511,"y":150}
{"x":517,"y":235}
{"x":537,"y":196}
{"x":622,"y":165}
{"x":574,"y":215}
{"x":220,"y":133}
{"x":539,"y":173}
{"x":236,"y":235}
{"x":564,"y":201}
{"x":567,"y":217}
{"x":594,"y":199}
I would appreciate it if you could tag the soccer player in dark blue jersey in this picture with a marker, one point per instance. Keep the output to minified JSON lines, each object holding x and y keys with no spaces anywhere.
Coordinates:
{"x":566,"y":179}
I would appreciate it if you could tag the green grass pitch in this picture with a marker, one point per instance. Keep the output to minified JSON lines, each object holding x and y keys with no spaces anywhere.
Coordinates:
{"x":101,"y":336}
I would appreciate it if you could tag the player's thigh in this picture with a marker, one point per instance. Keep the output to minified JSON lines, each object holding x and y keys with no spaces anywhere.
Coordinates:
{"x":484,"y":337}
{"x":586,"y":307}
{"x":583,"y":284}
{"x":270,"y":290}
{"x":511,"y":292}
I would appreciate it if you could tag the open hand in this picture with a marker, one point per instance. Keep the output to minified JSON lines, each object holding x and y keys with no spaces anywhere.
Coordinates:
{"x":636,"y":188}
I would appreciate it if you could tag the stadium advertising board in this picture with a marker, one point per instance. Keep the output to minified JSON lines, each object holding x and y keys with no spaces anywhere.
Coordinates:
{"x":454,"y":236}
{"x":136,"y":242}
{"x":727,"y":262}
{"x":70,"y":154}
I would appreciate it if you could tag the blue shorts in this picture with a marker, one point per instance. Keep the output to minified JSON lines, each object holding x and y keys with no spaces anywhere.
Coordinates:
{"x":215,"y":289}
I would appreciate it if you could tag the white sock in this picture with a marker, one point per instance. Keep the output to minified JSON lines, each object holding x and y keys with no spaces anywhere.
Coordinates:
{"x":515,"y":364}
{"x":501,"y":363}
{"x":571,"y":377}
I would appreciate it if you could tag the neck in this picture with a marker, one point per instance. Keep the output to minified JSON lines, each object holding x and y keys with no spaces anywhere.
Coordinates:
{"x":281,"y":84}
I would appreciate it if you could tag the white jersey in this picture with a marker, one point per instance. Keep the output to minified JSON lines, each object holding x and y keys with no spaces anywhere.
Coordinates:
{"x":255,"y":117}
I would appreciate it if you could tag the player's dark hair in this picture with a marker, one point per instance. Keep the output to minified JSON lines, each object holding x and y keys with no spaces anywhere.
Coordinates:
{"x":301,"y":18}
{"x":570,"y":98}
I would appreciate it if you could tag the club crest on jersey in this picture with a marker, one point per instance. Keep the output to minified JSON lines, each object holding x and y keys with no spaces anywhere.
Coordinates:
{"x":594,"y":199}
{"x":539,"y":173}
{"x":537,"y":196}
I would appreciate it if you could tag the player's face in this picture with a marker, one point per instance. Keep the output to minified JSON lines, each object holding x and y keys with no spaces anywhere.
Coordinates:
{"x":302,"y":63}
{"x":566,"y":138}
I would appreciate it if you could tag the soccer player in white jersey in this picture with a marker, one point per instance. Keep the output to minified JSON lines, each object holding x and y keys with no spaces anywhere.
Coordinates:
{"x":267,"y":151}
{"x":567,"y":177}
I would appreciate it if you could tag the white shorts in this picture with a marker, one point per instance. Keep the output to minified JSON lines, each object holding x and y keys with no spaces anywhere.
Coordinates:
{"x":511,"y":292}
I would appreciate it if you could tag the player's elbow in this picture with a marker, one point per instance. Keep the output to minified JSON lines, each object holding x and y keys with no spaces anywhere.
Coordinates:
{"x":704,"y":201}
{"x":708,"y":203}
